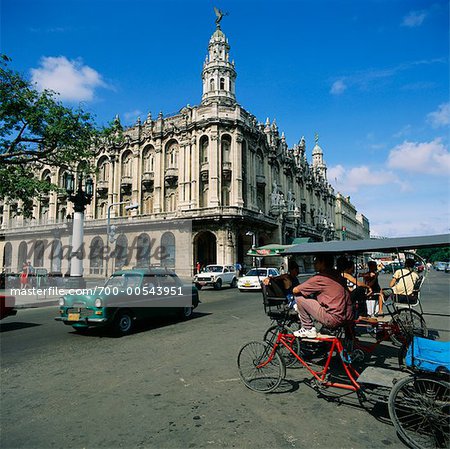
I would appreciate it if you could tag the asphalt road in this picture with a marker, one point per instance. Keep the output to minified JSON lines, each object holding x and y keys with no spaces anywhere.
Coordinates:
{"x":176,"y":385}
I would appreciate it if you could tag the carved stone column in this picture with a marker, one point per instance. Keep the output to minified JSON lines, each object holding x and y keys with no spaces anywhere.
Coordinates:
{"x":111,"y":178}
{"x":214,"y":165}
{"x":238,"y":199}
{"x":182,"y":182}
{"x":158,"y":196}
{"x":195,"y":173}
{"x":136,"y":177}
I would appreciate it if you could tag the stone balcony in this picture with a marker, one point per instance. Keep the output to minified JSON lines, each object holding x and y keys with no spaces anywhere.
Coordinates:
{"x":226,"y":171}
{"x":102,"y":187}
{"x":171,"y":176}
{"x":261,"y":180}
{"x":125,"y":184}
{"x":148,"y":179}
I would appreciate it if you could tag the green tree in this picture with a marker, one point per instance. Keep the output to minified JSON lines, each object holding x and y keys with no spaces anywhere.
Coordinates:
{"x":435,"y":254}
{"x":37,"y":130}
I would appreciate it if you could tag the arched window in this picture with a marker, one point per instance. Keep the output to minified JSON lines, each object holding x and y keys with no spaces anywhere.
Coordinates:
{"x":100,"y":209}
{"x":204,"y":142}
{"x":96,"y":256}
{"x":147,"y":159}
{"x":172,"y":154}
{"x":62,"y":177}
{"x":226,"y":148}
{"x":143,"y":248}
{"x":56,"y":256}
{"x":121,"y":252}
{"x":259,"y":162}
{"x":222,"y":83}
{"x":225,"y":196}
{"x":103,"y":169}
{"x":168,"y":250}
{"x":22,"y":255}
{"x":38,"y":260}
{"x":147,"y":203}
{"x":7,"y":256}
{"x":127,"y":163}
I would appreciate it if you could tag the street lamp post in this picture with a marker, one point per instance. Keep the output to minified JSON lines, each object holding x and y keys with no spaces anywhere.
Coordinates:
{"x":253,"y":244}
{"x":80,"y":199}
{"x":111,"y":229}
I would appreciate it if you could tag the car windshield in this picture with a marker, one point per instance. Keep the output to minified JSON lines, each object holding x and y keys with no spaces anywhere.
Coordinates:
{"x":124,"y":280}
{"x":214,"y":269}
{"x":255,"y":272}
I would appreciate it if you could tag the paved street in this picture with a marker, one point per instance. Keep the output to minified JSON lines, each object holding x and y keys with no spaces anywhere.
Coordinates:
{"x":175,"y":384}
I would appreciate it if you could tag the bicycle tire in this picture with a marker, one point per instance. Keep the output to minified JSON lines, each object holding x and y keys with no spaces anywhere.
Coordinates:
{"x":411,"y":323}
{"x":262,"y":379}
{"x":419,"y":409}
{"x":270,"y":336}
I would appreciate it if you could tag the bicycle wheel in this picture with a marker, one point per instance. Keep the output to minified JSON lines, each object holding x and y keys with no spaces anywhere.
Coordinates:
{"x":256,"y":370}
{"x":419,"y":409}
{"x":270,"y":337}
{"x":405,"y":324}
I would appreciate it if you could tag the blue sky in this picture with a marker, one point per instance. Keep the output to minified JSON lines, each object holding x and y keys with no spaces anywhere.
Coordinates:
{"x":370,"y":76}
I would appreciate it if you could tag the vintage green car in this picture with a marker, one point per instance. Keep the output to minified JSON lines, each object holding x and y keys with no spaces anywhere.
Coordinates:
{"x":127,"y":296}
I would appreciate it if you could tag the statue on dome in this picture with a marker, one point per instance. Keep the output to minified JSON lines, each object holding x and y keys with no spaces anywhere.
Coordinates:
{"x":219,"y":15}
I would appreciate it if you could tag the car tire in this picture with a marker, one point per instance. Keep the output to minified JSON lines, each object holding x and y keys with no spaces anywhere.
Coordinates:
{"x":186,"y":312}
{"x":123,"y":323}
{"x":198,"y":286}
{"x":233,"y":283}
{"x":218,"y":284}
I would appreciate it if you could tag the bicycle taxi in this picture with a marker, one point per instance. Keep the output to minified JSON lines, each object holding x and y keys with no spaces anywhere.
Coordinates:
{"x":418,"y":396}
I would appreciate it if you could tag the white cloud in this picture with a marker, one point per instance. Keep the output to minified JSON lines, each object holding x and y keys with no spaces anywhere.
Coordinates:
{"x":359,"y":177}
{"x":440,"y":117}
{"x":73,"y":80}
{"x":414,"y":19}
{"x":431,"y":158}
{"x":405,"y":131}
{"x":338,"y":87}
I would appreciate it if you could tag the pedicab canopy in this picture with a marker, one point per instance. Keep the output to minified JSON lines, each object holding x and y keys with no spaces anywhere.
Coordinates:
{"x":370,"y":245}
{"x":273,"y":249}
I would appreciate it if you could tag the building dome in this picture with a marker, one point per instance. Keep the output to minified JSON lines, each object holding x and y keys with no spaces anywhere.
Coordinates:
{"x":217,"y":36}
{"x":317,"y":150}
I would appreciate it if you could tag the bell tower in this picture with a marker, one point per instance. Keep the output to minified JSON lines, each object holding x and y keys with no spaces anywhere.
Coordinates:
{"x":218,"y":72}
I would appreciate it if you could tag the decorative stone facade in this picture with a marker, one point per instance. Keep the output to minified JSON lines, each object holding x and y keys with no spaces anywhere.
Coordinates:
{"x":350,"y":225}
{"x":213,"y":164}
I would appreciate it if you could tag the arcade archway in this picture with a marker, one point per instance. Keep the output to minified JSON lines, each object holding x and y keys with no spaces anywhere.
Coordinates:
{"x":205,"y":248}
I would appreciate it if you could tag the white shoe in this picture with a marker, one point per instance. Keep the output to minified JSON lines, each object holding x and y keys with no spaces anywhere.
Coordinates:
{"x":306,"y":333}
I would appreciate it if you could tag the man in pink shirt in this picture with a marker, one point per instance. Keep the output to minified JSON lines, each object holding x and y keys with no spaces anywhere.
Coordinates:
{"x":331,"y":304}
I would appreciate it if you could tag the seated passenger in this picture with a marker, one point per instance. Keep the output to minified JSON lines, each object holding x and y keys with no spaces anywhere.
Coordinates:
{"x":371,"y":278}
{"x":403,"y":282}
{"x":288,"y":280}
{"x":358,"y":290}
{"x":332,"y":305}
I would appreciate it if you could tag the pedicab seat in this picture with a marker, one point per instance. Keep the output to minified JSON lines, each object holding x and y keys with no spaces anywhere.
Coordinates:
{"x":275,"y":301}
{"x":429,"y":355}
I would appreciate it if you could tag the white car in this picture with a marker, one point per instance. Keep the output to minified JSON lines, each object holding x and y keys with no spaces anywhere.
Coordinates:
{"x":252,"y":280}
{"x":216,"y":276}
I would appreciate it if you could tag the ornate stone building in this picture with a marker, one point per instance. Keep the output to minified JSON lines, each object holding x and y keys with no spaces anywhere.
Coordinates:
{"x":213,"y":166}
{"x":350,"y":225}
